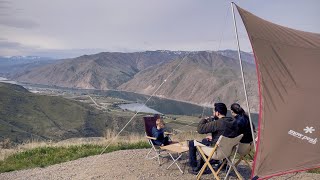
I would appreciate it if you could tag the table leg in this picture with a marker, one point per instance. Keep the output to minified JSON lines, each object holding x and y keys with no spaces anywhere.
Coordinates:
{"x":175,"y":161}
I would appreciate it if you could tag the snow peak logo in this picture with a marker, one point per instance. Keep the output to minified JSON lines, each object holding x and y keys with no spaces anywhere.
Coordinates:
{"x":309,"y":129}
{"x":303,"y":137}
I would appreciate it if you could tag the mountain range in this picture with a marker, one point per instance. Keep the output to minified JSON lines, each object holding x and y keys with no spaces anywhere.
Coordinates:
{"x":247,"y":57}
{"x":15,"y":64}
{"x":100,"y":71}
{"x":201,"y":77}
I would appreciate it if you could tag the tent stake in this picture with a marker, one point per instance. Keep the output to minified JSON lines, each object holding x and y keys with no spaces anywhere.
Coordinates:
{"x":243,"y":80}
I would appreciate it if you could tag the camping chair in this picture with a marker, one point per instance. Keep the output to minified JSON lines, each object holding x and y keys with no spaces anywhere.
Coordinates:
{"x":244,"y":150}
{"x":149,"y":122}
{"x":222,"y":150}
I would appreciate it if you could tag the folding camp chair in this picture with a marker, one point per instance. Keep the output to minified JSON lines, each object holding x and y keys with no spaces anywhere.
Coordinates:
{"x":243,"y":151}
{"x":222,"y":150}
{"x":149,"y":122}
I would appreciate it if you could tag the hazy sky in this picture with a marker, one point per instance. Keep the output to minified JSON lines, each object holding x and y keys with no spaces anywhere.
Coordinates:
{"x":68,"y":28}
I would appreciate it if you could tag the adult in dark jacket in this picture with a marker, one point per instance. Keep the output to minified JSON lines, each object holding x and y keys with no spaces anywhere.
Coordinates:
{"x":218,"y":125}
{"x":243,"y":122}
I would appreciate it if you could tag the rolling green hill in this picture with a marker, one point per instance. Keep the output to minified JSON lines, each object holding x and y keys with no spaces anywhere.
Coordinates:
{"x":24,"y":115}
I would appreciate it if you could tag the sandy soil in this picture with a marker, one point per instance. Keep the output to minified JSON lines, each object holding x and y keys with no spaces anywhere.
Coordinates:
{"x":127,"y":164}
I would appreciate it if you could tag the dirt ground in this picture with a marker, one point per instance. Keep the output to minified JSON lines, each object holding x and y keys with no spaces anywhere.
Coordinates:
{"x":127,"y":164}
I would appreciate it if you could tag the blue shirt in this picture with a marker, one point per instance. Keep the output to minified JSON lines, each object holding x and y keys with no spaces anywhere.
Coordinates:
{"x":159,"y":135}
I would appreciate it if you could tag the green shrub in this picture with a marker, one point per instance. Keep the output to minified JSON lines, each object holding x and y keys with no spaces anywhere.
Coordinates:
{"x":315,"y":171}
{"x":45,"y":156}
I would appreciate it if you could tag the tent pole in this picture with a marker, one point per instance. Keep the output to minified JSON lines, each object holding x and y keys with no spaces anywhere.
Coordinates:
{"x":243,"y":80}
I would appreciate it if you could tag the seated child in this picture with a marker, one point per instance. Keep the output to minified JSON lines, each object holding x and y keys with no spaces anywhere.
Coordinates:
{"x":158,"y":132}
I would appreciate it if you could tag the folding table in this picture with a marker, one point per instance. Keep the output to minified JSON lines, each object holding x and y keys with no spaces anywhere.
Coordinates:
{"x":179,"y":148}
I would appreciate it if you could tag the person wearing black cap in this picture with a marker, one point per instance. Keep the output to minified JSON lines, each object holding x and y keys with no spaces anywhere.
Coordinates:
{"x":217,"y":126}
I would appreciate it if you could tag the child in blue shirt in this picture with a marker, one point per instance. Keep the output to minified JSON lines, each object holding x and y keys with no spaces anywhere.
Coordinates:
{"x":158,"y":132}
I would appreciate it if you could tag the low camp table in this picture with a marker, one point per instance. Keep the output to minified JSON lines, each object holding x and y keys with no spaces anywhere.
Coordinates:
{"x":179,"y":148}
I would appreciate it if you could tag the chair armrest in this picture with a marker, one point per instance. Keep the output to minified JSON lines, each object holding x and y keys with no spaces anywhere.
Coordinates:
{"x":153,"y":138}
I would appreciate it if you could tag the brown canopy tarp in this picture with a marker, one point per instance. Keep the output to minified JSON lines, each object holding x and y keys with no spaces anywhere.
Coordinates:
{"x":288,"y":68}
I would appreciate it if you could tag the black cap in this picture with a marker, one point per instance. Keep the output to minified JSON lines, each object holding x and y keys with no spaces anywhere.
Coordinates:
{"x":221,"y":108}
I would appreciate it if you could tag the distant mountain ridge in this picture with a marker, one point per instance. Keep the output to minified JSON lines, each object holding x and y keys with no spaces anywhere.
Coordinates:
{"x":106,"y":70}
{"x":24,"y":58}
{"x":247,"y":57}
{"x":204,"y":77}
{"x":15,"y":64}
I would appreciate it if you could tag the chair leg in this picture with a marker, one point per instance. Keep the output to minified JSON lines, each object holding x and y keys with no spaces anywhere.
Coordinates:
{"x":152,"y":149}
{"x":158,"y":156}
{"x":220,"y":168}
{"x":201,"y":171}
{"x":247,"y":164}
{"x":233,"y":168}
{"x":207,"y":163}
{"x":239,"y":160}
{"x":237,"y":172}
{"x":231,"y":164}
{"x":147,"y":156}
{"x":214,"y":172}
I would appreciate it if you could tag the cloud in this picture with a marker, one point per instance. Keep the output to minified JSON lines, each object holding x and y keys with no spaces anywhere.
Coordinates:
{"x":9,"y":16}
{"x":7,"y":44}
{"x":17,"y":22}
{"x":10,"y":48}
{"x":4,"y":7}
{"x":65,"y":53}
{"x":78,"y":26}
{"x":4,"y":3}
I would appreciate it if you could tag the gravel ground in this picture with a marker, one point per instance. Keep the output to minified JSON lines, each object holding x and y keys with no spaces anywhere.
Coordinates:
{"x":127,"y":164}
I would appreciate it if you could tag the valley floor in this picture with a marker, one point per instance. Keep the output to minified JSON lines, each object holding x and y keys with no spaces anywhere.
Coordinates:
{"x":126,"y":164}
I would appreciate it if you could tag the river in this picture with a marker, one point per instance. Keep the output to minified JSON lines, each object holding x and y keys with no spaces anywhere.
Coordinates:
{"x":138,"y":107}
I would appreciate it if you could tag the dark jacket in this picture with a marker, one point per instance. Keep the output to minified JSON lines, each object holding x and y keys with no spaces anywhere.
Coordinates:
{"x":244,"y":128}
{"x":159,"y":135}
{"x":225,"y":126}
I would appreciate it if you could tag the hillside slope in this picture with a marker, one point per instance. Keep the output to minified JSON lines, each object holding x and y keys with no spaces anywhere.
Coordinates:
{"x":105,"y":70}
{"x":24,"y":115}
{"x":203,"y":78}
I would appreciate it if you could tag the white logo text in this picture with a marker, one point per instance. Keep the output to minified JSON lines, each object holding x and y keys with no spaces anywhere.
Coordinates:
{"x":303,"y":137}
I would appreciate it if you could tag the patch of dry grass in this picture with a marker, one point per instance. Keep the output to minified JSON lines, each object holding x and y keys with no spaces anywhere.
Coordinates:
{"x":109,"y":136}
